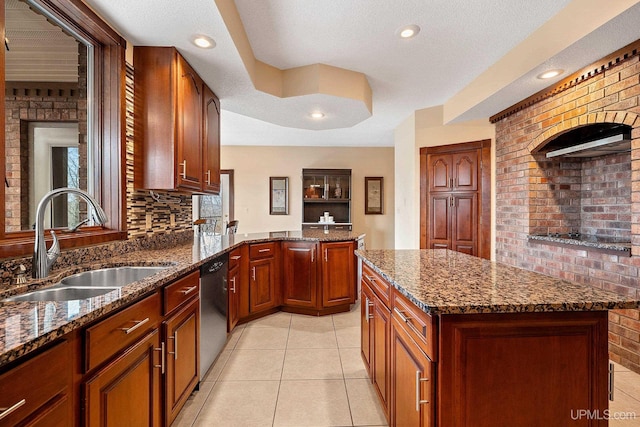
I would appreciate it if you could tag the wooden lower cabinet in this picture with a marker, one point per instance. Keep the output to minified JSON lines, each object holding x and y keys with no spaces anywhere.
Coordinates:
{"x":182,"y":371}
{"x":128,"y":390}
{"x":299,"y":274}
{"x":413,"y":381}
{"x":262,"y":285}
{"x":338,"y":273}
{"x":233,"y":309}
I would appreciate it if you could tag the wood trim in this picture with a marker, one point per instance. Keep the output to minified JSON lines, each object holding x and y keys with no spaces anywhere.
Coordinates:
{"x":616,"y":58}
{"x":231,"y":199}
{"x":108,"y":127}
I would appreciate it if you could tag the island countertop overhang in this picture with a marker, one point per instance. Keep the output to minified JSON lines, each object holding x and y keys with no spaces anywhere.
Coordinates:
{"x":441,"y":281}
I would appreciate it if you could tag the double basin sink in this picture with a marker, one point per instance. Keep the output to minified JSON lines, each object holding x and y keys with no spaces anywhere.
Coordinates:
{"x":89,"y":284}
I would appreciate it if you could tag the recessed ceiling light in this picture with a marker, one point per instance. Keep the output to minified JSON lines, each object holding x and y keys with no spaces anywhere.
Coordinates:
{"x":550,"y":74}
{"x":317,"y":115}
{"x":204,"y":42}
{"x":408,"y":31}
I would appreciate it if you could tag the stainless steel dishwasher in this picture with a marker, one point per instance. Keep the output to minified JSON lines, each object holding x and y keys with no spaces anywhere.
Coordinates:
{"x":213,"y":311}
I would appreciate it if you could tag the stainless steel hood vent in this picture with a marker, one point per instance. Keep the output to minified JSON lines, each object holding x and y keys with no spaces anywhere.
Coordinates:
{"x":600,"y":147}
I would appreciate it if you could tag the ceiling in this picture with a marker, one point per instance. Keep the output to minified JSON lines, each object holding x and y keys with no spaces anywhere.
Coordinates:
{"x":474,"y":57}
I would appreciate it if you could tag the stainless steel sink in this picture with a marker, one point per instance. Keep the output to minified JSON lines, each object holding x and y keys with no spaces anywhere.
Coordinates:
{"x":63,"y":293}
{"x":115,"y":276}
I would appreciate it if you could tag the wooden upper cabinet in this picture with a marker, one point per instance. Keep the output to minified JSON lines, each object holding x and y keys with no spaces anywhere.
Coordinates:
{"x":177,"y":120}
{"x":453,"y":172}
{"x":211,"y":138}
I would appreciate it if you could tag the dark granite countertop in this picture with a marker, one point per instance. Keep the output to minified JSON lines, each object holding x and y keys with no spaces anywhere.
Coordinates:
{"x":25,"y":326}
{"x":441,"y":281}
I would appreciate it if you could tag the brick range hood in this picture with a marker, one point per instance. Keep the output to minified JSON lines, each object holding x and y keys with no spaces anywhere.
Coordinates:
{"x":595,"y":196}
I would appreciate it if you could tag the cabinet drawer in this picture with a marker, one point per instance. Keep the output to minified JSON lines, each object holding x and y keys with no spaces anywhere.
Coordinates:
{"x":234,"y":258}
{"x":31,"y":384}
{"x":380,"y":286}
{"x":116,"y":332}
{"x":262,"y":250}
{"x":418,"y":324}
{"x":181,"y":291}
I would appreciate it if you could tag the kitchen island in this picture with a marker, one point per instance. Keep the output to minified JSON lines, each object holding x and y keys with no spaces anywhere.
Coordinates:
{"x":454,"y":340}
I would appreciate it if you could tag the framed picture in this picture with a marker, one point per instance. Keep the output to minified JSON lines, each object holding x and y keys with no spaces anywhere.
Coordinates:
{"x":279,"y":195}
{"x":373,"y":195}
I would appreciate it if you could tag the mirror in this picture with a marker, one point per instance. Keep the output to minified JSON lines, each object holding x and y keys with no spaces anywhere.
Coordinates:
{"x":46,"y":117}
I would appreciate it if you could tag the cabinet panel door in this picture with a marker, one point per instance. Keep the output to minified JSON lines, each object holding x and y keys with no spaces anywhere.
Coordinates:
{"x":366,"y":325}
{"x":128,"y":390}
{"x":182,"y":362}
{"x":439,"y":221}
{"x":381,"y":318}
{"x":413,"y":381}
{"x":211,"y":137}
{"x":465,"y":223}
{"x":189,"y":131}
{"x":233,"y":310}
{"x":262,"y":293}
{"x":465,"y":171}
{"x":338,"y":273}
{"x":440,"y":174}
{"x":299,"y":274}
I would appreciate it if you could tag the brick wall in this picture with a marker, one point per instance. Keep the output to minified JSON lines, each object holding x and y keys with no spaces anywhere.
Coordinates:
{"x":531,"y":200}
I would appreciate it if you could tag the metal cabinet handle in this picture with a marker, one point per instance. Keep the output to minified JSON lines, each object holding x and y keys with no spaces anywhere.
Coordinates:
{"x":367,"y":312}
{"x":611,"y":380}
{"x":404,"y":318}
{"x":188,"y":290}
{"x":264,"y":250}
{"x":418,"y":381}
{"x":233,"y":280}
{"x":326,"y":255}
{"x":371,"y":278}
{"x":313,"y":254}
{"x":161,"y":365}
{"x":138,"y":323}
{"x":7,"y":411}
{"x":183,"y":174}
{"x":313,"y":227}
{"x":236,"y":257}
{"x":208,"y":177}
{"x":253,"y":273}
{"x":451,"y":182}
{"x":175,"y":345}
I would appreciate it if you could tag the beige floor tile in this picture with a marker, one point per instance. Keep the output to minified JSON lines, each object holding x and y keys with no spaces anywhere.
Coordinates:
{"x":343,"y":320}
{"x":234,"y":337}
{"x":267,"y":338}
{"x":352,"y":364}
{"x":216,"y":368}
{"x":240,"y":403}
{"x":312,"y":339}
{"x":628,"y":382}
{"x":619,"y":368}
{"x":363,"y":401}
{"x":312,"y":364}
{"x":301,"y":322}
{"x":348,"y":337}
{"x":312,"y":403}
{"x":275,"y":320}
{"x":253,"y":365}
{"x":624,"y":410}
{"x":192,"y":407}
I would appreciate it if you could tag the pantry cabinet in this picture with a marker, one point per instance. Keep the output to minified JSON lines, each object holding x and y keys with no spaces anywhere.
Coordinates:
{"x":177,"y":138}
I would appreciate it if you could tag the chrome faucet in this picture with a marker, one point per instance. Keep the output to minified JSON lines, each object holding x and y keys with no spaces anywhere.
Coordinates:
{"x":43,"y":259}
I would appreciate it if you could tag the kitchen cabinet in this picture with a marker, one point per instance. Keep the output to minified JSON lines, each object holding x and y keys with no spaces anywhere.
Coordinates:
{"x":326,"y":190}
{"x":263,"y":277}
{"x":233,"y":309}
{"x":299,"y":274}
{"x":177,"y":138}
{"x":338,"y":273}
{"x":455,"y":194}
{"x":181,"y":332}
{"x":38,"y":392}
{"x":238,"y":280}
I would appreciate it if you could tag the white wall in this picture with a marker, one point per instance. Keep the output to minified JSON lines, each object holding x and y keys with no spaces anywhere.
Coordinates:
{"x":429,"y":131}
{"x":253,"y":165}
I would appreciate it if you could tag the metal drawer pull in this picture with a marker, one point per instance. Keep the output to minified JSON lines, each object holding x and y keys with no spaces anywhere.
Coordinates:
{"x":418,"y":381}
{"x":161,"y":350}
{"x":326,"y":255}
{"x":253,"y":273}
{"x":404,"y":318}
{"x":138,"y":323}
{"x":6,"y":411}
{"x":371,"y":278}
{"x":236,"y":257}
{"x":367,"y":312}
{"x":183,"y":174}
{"x":175,"y":345}
{"x":313,"y":254}
{"x":233,"y":280}
{"x":188,"y":290}
{"x":263,"y":250}
{"x":209,"y":177}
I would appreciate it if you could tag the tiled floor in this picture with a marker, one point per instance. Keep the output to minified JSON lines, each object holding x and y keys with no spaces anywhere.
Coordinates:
{"x":294,"y":370}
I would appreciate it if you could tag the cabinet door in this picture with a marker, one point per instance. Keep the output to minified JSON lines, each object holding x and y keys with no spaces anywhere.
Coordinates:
{"x":181,"y":333}
{"x":366,"y":325}
{"x":413,"y":381}
{"x":465,"y":171}
{"x":127,"y":391}
{"x":233,"y":310}
{"x":464,"y":223}
{"x":439,"y":221}
{"x":299,"y":278}
{"x":381,"y":326}
{"x":338,"y":274}
{"x":440,"y":174}
{"x":189,"y":127}
{"x":262,"y":280}
{"x":211,"y":139}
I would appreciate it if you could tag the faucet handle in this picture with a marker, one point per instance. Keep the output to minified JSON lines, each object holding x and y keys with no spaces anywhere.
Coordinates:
{"x":54,"y":251}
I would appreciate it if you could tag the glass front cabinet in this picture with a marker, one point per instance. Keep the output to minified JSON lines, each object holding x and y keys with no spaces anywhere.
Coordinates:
{"x":326,"y":199}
